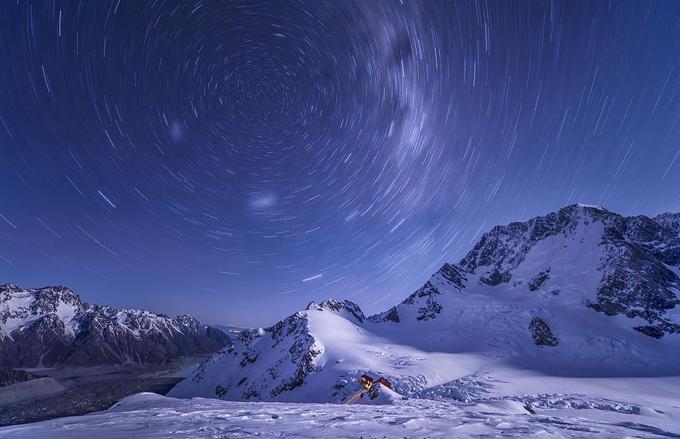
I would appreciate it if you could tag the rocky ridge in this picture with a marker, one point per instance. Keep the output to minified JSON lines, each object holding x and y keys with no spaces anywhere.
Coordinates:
{"x":52,"y":326}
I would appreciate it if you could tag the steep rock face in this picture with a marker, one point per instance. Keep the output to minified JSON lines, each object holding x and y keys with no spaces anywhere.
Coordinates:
{"x":51,"y":326}
{"x":344,"y":308}
{"x":638,"y":276}
{"x":425,"y":298}
{"x":664,"y":240}
{"x":541,"y":333}
{"x":44,"y":343}
{"x":262,"y":364}
{"x":539,"y":279}
{"x":637,"y":272}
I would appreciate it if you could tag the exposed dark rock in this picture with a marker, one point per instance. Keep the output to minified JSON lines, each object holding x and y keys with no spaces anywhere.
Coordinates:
{"x":305,"y":366}
{"x":392,"y":315}
{"x":454,"y":275}
{"x":430,"y":310}
{"x":636,"y":279}
{"x":496,"y":278}
{"x":13,"y":376}
{"x":220,"y":391}
{"x":426,"y":290}
{"x":250,"y":394}
{"x":287,"y":370}
{"x":651,"y":331}
{"x":537,"y":281}
{"x":248,"y":358}
{"x":541,"y":333}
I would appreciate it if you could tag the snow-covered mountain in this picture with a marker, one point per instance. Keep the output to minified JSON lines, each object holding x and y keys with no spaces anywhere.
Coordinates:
{"x":317,"y":355}
{"x":580,"y":292}
{"x":51,"y":326}
{"x":610,"y":263}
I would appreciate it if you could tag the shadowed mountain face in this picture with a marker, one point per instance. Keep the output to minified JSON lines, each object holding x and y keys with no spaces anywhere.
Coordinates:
{"x":579,"y":292}
{"x":51,"y":326}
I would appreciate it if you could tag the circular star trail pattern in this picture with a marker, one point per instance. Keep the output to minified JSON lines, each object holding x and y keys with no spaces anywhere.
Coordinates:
{"x":236,"y":159}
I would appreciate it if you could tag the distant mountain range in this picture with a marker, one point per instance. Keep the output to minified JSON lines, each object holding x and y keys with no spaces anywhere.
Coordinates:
{"x":51,"y":326}
{"x":579,"y":292}
{"x":231,"y":331}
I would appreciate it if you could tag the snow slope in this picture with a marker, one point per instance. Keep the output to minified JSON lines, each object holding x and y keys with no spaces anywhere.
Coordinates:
{"x":317,"y":355}
{"x":147,"y":415}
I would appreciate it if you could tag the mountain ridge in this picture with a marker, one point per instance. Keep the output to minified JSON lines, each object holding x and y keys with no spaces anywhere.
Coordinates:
{"x":52,"y":326}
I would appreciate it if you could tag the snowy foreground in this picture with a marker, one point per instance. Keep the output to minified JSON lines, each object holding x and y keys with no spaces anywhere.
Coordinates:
{"x":148,"y":415}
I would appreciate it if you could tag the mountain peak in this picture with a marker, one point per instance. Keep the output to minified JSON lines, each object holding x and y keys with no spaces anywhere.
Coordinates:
{"x":633,"y":265}
{"x":670,"y":220}
{"x":338,"y":307}
{"x":57,"y":293}
{"x":590,"y":206}
{"x":10,"y":288}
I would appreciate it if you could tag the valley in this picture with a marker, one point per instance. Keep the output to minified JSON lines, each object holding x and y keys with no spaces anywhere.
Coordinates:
{"x":75,"y":391}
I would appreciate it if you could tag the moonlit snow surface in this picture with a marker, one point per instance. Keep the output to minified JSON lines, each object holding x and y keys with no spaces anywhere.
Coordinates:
{"x":147,"y":415}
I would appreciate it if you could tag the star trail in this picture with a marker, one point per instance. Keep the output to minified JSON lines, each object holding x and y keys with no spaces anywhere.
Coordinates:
{"x":236,"y":159}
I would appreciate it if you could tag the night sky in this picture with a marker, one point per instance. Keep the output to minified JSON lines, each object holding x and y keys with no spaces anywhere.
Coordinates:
{"x":236,"y":159}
